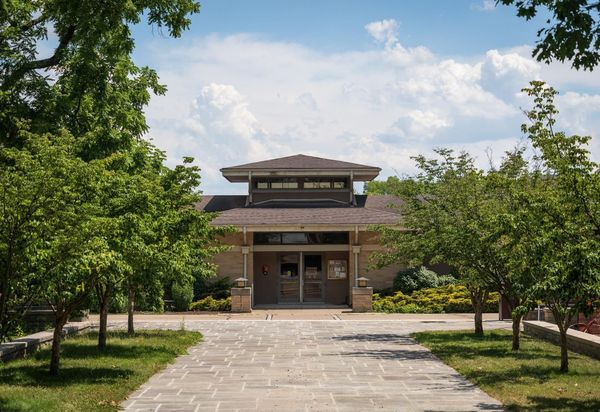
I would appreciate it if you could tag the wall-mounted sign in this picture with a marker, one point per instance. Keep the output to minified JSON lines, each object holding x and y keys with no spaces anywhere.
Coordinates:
{"x":337,"y":269}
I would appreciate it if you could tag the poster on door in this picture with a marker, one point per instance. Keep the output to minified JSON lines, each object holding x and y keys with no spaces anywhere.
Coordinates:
{"x":337,"y":269}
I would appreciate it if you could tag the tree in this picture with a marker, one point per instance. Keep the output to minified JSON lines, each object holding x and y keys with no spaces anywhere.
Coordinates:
{"x":558,"y":222}
{"x":90,"y":86}
{"x":48,"y":199}
{"x":390,"y":186}
{"x":181,"y":242}
{"x":51,"y":244}
{"x":451,"y":210}
{"x":572,"y":33}
{"x":74,"y":87}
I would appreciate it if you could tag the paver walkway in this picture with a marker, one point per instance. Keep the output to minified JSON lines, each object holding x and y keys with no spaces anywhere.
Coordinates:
{"x":309,"y":366}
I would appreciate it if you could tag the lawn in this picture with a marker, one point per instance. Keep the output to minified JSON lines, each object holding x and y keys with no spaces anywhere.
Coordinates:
{"x":90,"y":380}
{"x":525,"y":381}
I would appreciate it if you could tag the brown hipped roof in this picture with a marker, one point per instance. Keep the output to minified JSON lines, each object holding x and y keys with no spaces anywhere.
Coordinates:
{"x":300,"y":162}
{"x":370,"y":210}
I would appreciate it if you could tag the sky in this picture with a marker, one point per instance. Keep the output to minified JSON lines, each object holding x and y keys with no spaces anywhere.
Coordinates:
{"x":373,"y":82}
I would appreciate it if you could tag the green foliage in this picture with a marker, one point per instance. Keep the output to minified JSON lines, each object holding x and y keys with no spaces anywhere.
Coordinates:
{"x":444,"y":299}
{"x":412,"y":279}
{"x":212,"y":305}
{"x":555,"y":224}
{"x":391,"y":186}
{"x":182,"y":294}
{"x":217,"y":288}
{"x":92,"y":208}
{"x":94,"y":89}
{"x":117,"y":304}
{"x":453,"y":212}
{"x":51,"y":246}
{"x":572,"y":33}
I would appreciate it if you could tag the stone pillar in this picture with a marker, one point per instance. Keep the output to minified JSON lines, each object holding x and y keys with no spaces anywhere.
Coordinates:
{"x":362,"y":297}
{"x":241,"y":300}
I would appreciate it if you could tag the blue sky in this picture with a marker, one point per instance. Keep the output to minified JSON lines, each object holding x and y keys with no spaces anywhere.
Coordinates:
{"x":367,"y":81}
{"x":447,"y":27}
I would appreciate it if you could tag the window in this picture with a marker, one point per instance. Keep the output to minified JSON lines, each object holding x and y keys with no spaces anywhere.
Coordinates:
{"x":301,"y":238}
{"x":293,"y":238}
{"x":267,"y":238}
{"x":324,"y":183}
{"x":284,"y":183}
{"x":315,"y":183}
{"x":339,"y":183}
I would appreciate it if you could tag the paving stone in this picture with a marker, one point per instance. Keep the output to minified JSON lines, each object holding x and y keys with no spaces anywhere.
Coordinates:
{"x":304,"y":365}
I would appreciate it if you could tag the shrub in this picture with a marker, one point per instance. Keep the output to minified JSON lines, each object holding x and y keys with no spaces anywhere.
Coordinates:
{"x":182,"y":294}
{"x":212,"y":305}
{"x":217,"y":288}
{"x":414,"y":279}
{"x":444,"y":280}
{"x":450,"y":298}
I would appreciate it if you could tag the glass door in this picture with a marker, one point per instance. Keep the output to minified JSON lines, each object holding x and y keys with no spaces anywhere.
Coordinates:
{"x":289,"y":279}
{"x":312,"y":279}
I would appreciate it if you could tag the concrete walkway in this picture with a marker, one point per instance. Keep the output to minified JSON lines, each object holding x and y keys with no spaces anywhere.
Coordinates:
{"x":329,"y":365}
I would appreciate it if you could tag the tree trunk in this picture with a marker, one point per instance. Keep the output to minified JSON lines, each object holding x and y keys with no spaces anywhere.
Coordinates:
{"x":130,"y":307}
{"x":564,"y":354}
{"x":103,"y":322}
{"x":56,"y":341}
{"x":104,"y":300}
{"x":478,"y":298}
{"x":563,"y":321}
{"x":479,"y":320}
{"x":516,"y":332}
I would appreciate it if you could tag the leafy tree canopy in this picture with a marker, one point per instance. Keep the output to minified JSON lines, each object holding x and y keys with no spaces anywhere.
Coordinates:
{"x":572,"y":33}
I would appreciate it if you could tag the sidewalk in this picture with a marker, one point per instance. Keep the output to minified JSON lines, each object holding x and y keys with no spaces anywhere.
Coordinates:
{"x":313,"y":365}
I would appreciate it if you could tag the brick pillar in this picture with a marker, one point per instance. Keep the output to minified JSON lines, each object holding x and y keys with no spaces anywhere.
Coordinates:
{"x":241,"y":300}
{"x":362,"y":299}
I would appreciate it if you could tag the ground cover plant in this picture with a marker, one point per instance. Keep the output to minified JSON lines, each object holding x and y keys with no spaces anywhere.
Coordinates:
{"x":90,"y":379}
{"x":524,"y":380}
{"x":448,"y":299}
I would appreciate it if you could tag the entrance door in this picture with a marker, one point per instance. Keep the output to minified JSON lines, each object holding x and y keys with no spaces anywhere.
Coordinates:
{"x":289,"y":278}
{"x":312,"y":279}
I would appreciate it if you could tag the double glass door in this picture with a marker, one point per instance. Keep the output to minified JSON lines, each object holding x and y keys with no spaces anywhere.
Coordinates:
{"x":300,"y":278}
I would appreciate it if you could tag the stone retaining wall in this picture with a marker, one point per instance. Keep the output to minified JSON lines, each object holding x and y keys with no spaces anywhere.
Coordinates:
{"x":21,"y":347}
{"x":580,"y":342}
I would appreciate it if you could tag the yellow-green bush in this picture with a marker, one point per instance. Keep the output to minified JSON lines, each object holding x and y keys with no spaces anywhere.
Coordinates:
{"x":448,"y":299}
{"x":212,"y":305}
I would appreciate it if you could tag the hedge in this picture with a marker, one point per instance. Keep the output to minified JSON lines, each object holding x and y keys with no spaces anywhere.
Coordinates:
{"x":443,"y":299}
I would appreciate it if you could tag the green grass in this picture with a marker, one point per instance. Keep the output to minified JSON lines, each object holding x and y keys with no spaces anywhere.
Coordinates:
{"x":528,"y":380}
{"x":89,"y":380}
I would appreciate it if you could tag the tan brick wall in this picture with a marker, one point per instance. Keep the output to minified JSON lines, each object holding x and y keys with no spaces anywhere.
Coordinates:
{"x":378,"y":278}
{"x":231,"y":263}
{"x":368,"y":238}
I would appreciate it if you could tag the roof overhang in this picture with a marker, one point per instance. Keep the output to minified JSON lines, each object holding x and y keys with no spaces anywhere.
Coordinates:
{"x":243,"y":175}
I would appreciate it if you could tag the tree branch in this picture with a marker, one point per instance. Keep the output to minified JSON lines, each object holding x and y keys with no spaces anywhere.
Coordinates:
{"x":42,"y":63}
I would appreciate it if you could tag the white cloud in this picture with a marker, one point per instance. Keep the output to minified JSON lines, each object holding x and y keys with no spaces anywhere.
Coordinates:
{"x":241,"y":98}
{"x":485,"y":5}
{"x":384,"y":31}
{"x":511,"y":63}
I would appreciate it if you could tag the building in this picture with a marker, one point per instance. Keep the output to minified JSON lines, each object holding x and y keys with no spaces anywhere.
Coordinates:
{"x":304,"y":236}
